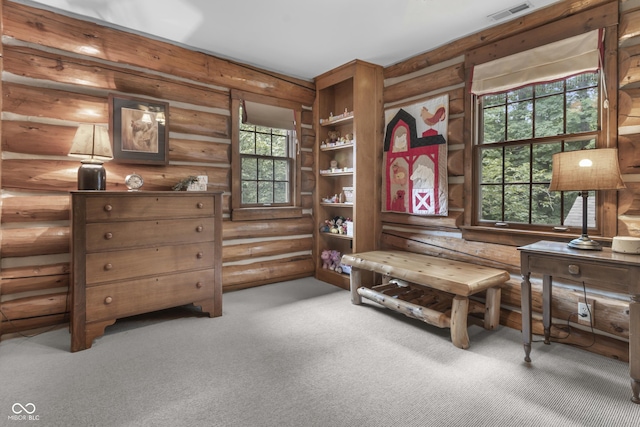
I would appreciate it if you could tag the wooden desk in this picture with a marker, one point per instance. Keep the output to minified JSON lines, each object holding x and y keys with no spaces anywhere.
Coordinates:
{"x":604,"y":269}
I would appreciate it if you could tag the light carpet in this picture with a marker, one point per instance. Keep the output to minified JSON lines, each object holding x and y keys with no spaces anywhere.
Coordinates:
{"x":299,"y":354}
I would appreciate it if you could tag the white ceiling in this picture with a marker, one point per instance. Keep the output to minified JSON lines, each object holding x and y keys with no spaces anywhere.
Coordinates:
{"x":299,"y":38}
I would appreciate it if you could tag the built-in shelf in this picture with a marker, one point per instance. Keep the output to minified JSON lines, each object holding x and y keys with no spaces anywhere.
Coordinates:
{"x":356,"y":90}
{"x":337,"y":146}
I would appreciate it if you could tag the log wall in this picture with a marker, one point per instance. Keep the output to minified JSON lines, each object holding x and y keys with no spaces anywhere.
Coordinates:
{"x":58,"y":72}
{"x":442,"y":71}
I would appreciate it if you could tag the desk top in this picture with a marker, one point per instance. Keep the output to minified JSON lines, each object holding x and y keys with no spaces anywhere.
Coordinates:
{"x":545,"y":247}
{"x":447,"y":275}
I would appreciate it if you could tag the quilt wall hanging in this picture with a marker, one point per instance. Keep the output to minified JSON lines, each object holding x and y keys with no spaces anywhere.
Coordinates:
{"x":415,"y":158}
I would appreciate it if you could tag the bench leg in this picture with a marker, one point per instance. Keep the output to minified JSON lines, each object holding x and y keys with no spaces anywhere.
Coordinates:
{"x":459,"y":311}
{"x":355,"y":282}
{"x":492,"y":309}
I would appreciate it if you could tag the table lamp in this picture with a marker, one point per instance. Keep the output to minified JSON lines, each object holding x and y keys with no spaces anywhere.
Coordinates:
{"x":583,"y":171}
{"x":92,"y":144}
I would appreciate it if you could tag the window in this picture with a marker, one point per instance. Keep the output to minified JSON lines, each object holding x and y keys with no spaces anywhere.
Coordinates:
{"x":518,"y":132}
{"x":535,"y":94}
{"x":265,"y":157}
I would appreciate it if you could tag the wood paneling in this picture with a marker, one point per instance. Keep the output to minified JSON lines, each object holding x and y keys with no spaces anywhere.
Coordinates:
{"x":58,"y":71}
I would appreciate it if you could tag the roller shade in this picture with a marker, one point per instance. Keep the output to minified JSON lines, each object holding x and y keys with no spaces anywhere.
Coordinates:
{"x":551,"y":62}
{"x":268,"y":115}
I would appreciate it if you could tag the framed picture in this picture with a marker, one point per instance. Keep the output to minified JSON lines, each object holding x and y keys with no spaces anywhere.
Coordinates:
{"x":139,"y":130}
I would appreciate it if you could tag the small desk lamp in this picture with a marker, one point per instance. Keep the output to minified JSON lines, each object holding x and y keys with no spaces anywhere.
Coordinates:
{"x":582,"y":171}
{"x":92,"y":143}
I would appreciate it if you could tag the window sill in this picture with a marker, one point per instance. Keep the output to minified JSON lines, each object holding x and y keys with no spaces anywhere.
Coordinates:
{"x":505,"y":236}
{"x":266,"y":213}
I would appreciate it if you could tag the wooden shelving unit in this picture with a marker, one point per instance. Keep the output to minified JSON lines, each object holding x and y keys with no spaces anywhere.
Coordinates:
{"x":348,"y":101}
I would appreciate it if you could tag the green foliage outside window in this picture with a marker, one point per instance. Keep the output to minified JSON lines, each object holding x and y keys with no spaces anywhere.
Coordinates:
{"x":520,"y":131}
{"x":265,"y":165}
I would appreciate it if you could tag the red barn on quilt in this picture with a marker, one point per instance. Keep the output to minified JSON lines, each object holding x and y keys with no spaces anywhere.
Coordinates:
{"x":415,"y":166}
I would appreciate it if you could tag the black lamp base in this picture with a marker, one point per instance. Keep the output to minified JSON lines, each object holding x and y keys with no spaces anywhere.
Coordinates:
{"x":92,"y":176}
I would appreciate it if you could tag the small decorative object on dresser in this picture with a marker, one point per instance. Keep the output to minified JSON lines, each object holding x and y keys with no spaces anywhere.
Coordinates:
{"x":133,"y":182}
{"x":136,"y":252}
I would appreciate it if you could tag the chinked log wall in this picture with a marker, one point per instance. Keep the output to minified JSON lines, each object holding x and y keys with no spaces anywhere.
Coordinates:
{"x":57,"y":72}
{"x":442,"y":71}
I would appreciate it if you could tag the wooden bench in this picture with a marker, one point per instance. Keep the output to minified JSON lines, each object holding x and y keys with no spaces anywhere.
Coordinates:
{"x":423,"y":286}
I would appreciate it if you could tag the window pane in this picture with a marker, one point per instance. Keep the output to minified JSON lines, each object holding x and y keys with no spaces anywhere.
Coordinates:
{"x":491,"y":202}
{"x":494,"y":121}
{"x":516,"y":203}
{"x":491,"y":170}
{"x":542,"y":159}
{"x":249,"y":168}
{"x":573,"y":209}
{"x":545,"y":206}
{"x":580,"y":145}
{"x":249,"y":192}
{"x":246,"y":126}
{"x":582,"y":110}
{"x":520,"y":121}
{"x":279,"y":146}
{"x":520,"y":94}
{"x":516,"y":167}
{"x":491,"y":100}
{"x":281,"y":170}
{"x":265,"y":192}
{"x":263,"y":144}
{"x":582,"y":81}
{"x":549,"y":88}
{"x":265,"y":169}
{"x":280,"y":192}
{"x":549,"y":116}
{"x":247,"y":145}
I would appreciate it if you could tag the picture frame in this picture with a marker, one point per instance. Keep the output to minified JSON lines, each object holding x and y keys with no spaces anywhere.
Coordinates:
{"x":139,"y":130}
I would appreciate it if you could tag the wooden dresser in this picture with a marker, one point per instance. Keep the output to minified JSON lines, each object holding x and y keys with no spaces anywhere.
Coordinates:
{"x":136,"y":252}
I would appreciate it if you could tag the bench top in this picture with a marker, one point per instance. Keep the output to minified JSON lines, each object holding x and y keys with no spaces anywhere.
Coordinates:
{"x":447,"y":275}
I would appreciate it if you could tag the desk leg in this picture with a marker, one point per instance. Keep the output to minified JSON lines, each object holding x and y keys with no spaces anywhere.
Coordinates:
{"x":634,"y":347}
{"x":525,"y":295}
{"x":355,"y":282}
{"x":546,"y":307}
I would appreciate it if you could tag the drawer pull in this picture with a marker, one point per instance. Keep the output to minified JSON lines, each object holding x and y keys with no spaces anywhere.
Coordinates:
{"x":108,"y":300}
{"x":199,"y":205}
{"x":108,"y":235}
{"x":108,"y":266}
{"x":199,"y":228}
{"x":199,"y":285}
{"x":574,"y":269}
{"x":108,"y":208}
{"x":199,"y":255}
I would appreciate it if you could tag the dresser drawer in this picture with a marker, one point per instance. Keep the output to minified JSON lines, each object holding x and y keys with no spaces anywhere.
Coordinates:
{"x":103,"y":208}
{"x":119,"y":235}
{"x":131,"y":297}
{"x":578,"y":270}
{"x":130,"y":263}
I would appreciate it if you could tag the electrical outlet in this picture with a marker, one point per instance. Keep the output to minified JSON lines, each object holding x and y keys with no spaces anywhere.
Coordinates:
{"x":584,"y":313}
